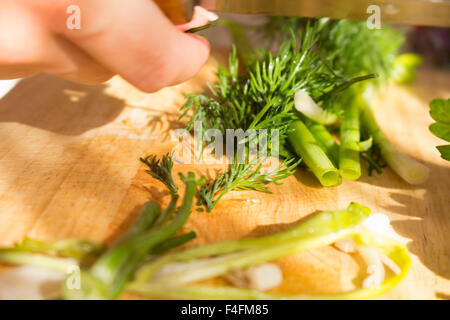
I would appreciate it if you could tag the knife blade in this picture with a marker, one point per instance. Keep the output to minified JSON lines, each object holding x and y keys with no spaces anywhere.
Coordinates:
{"x":416,"y":12}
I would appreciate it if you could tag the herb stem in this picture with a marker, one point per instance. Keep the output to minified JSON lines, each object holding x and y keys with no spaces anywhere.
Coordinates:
{"x":407,"y":168}
{"x":349,"y":162}
{"x":325,"y":139}
{"x":326,"y":222}
{"x":173,"y":243}
{"x":307,"y":147}
{"x":17,"y":257}
{"x":323,"y":229}
{"x":108,"y":267}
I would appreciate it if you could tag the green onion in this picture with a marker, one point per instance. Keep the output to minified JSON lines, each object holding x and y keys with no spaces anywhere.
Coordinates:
{"x":349,"y":162}
{"x":305,"y":146}
{"x":217,"y":259}
{"x":167,"y":214}
{"x":148,"y":215}
{"x":17,"y":257}
{"x":407,"y":168}
{"x":306,"y":105}
{"x":325,"y":139}
{"x":83,"y":250}
{"x":325,"y":223}
{"x":118,"y":264}
{"x":173,"y":243}
{"x":108,"y":266}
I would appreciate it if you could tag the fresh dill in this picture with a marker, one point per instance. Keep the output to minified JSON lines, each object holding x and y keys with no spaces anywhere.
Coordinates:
{"x":262,"y":97}
{"x":247,"y":176}
{"x":161,"y":169}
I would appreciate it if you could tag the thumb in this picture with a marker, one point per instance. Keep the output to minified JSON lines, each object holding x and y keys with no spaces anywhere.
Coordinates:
{"x":138,"y":42}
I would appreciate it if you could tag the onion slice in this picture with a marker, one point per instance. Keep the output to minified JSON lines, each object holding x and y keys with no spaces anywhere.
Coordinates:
{"x":306,"y":105}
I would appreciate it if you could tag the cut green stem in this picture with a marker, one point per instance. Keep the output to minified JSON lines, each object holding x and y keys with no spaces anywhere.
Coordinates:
{"x":117,"y":265}
{"x":323,"y":229}
{"x":71,"y":248}
{"x":324,"y":223}
{"x":349,"y":161}
{"x":325,"y":139}
{"x":108,"y":266}
{"x":407,"y":168}
{"x":15,"y":257}
{"x":173,"y":243}
{"x":147,"y":217}
{"x":307,"y":147}
{"x":168,"y":213}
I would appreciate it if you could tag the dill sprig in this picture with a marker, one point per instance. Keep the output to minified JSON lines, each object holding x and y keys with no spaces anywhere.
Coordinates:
{"x":248,"y":175}
{"x":349,"y":46}
{"x":353,"y":48}
{"x":161,"y":169}
{"x":244,"y":176}
{"x":262,"y":97}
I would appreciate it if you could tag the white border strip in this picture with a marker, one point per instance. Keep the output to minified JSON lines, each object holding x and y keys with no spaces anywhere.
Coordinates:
{"x":6,"y":86}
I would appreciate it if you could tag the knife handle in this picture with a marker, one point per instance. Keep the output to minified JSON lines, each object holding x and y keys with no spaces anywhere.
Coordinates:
{"x":178,"y":11}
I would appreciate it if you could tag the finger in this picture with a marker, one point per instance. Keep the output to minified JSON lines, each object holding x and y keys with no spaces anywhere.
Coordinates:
{"x":29,"y":49}
{"x":136,"y":41}
{"x":21,"y":42}
{"x":86,"y":70}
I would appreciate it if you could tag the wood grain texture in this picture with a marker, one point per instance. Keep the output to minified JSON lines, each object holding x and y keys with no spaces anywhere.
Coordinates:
{"x":69,"y":169}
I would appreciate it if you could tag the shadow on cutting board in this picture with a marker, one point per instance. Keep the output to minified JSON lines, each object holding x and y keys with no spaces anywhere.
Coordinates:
{"x":429,"y":205}
{"x":56,"y":182}
{"x":59,"y":106}
{"x":54,"y":104}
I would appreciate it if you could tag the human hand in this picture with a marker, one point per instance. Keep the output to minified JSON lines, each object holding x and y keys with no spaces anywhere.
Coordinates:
{"x":130,"y":38}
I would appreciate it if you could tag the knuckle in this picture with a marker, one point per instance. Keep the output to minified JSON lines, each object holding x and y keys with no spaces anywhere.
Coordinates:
{"x":160,"y":75}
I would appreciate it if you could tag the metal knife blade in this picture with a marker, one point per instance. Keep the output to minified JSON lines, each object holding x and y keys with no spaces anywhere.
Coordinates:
{"x":416,"y":12}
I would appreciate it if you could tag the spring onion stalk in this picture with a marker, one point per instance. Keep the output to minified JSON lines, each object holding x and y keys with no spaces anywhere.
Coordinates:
{"x":407,"y":168}
{"x":173,"y":243}
{"x":307,"y":106}
{"x":325,"y":139}
{"x":109,"y":264}
{"x":224,"y":264}
{"x":148,"y":215}
{"x":151,"y":234}
{"x":325,"y":224}
{"x":349,"y":162}
{"x":71,"y":248}
{"x":117,"y":265}
{"x":169,"y":212}
{"x":326,"y":227}
{"x":58,"y":256}
{"x":305,"y":146}
{"x":61,"y":255}
{"x":18,"y":257}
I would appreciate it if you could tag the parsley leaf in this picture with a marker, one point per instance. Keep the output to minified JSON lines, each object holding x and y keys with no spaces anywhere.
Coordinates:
{"x":440,"y":111}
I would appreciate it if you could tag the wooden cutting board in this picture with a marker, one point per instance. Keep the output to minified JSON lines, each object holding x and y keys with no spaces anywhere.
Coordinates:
{"x":69,"y":169}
